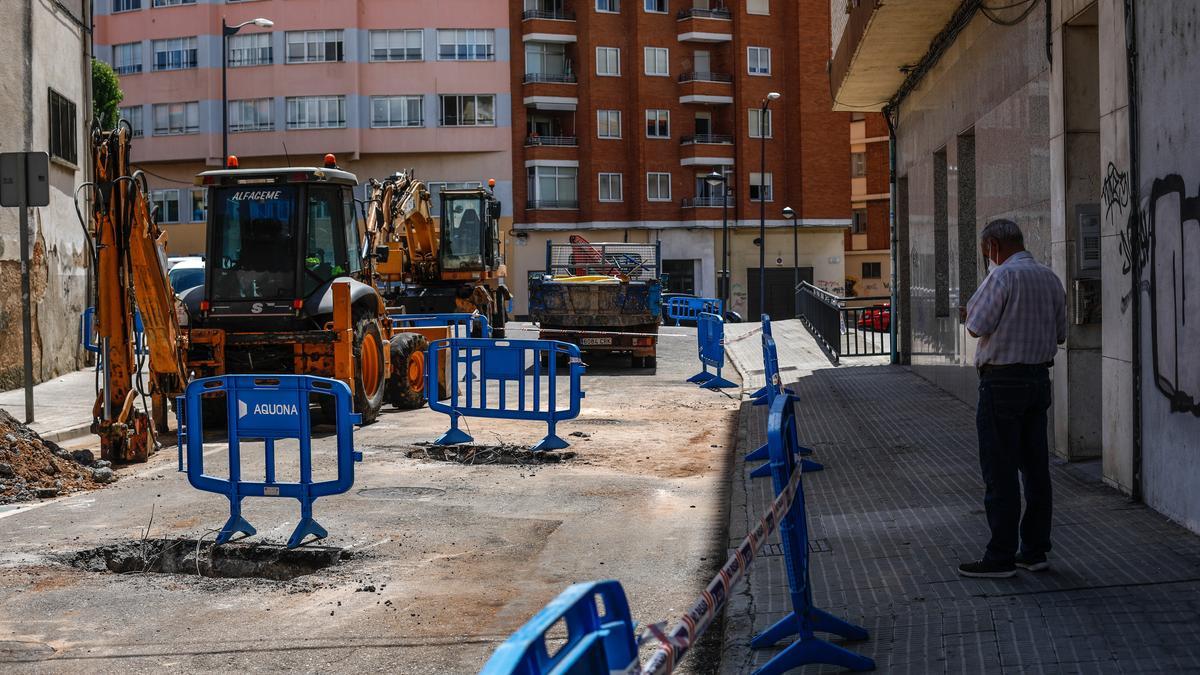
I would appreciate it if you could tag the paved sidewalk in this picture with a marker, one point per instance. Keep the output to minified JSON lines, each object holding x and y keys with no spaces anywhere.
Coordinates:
{"x":62,"y":407}
{"x":900,"y":505}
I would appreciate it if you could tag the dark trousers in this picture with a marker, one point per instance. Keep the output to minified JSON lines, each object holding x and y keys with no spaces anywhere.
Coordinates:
{"x":1011,"y":419}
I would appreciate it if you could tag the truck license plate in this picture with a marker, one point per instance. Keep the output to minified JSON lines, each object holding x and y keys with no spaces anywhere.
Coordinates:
{"x":595,"y":341}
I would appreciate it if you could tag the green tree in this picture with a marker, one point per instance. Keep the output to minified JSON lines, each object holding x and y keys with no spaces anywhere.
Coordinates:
{"x":106,"y":94}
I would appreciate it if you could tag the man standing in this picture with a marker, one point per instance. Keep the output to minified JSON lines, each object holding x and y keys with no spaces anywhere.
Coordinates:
{"x":1019,"y":316}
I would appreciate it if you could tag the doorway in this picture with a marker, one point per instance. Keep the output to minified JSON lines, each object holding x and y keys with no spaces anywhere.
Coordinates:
{"x":781,"y":298}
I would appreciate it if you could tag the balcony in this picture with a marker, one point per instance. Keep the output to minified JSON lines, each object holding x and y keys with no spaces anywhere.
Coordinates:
{"x":705,"y":25}
{"x":552,"y":141}
{"x":707,"y":139}
{"x":706,"y":88}
{"x":549,"y":14}
{"x":705,"y":77}
{"x":552,"y":78}
{"x":552,"y":24}
{"x":552,"y":204}
{"x":706,"y":202}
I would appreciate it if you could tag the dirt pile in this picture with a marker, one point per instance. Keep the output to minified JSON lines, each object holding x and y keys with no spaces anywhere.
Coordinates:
{"x":487,"y":454}
{"x":33,"y":468}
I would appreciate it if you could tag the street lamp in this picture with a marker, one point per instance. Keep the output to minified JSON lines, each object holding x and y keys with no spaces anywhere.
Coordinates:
{"x":226,"y":31}
{"x":762,"y":202}
{"x":789,"y":212}
{"x":714,"y":179}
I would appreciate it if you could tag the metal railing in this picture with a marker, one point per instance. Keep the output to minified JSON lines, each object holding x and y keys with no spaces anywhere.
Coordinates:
{"x":703,"y":202}
{"x":552,"y":204}
{"x":555,"y":14}
{"x":840,"y":330}
{"x":697,"y":76}
{"x":707,"y":139}
{"x":554,"y":78}
{"x":697,"y":13}
{"x":556,"y":141}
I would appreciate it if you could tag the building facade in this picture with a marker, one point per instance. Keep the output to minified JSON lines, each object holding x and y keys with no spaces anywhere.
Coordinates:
{"x":1074,"y":119}
{"x":385,"y":85}
{"x":624,"y":106}
{"x":868,"y":242}
{"x":46,"y":99}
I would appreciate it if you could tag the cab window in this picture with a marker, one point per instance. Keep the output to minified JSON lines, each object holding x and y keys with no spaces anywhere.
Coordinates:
{"x":325,"y":253}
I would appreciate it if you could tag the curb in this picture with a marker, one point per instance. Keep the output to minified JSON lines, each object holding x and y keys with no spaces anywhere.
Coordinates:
{"x":67,"y":433}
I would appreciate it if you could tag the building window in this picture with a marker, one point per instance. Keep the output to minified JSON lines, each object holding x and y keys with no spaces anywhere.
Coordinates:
{"x":126,"y":5}
{"x":316,"y":112}
{"x":176,"y":119}
{"x":552,"y":187}
{"x":469,"y":111}
{"x":466,"y":45}
{"x":608,"y":61}
{"x":656,"y":6}
{"x":250,"y":115}
{"x":62,"y":128}
{"x":133,"y":115}
{"x":611,"y":6}
{"x":544,"y":58}
{"x":127,"y":58}
{"x":761,"y":189}
{"x":166,"y":205}
{"x":390,"y":112}
{"x":199,"y":206}
{"x":760,"y":125}
{"x":435,"y":193}
{"x":172,"y":3}
{"x":858,"y":221}
{"x":658,"y":123}
{"x":252,"y":49}
{"x":610,"y":187}
{"x":314,"y":46}
{"x":658,"y":187}
{"x":397,"y":45}
{"x":758,"y":6}
{"x":175,"y":54}
{"x":758,"y":60}
{"x":858,"y":164}
{"x":872,"y":270}
{"x":656,"y":61}
{"x":608,"y":123}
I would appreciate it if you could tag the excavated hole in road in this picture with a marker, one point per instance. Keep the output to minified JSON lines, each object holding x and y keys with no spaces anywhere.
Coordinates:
{"x":488,"y":454}
{"x":229,"y":561}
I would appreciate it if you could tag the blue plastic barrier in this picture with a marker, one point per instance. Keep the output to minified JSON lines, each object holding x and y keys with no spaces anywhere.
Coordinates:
{"x":477,"y":365}
{"x":462,"y":324}
{"x":270,"y":408}
{"x":88,"y":340}
{"x":689,"y":309}
{"x":710,"y":343}
{"x":600,"y":639}
{"x":774,"y":389}
{"x":804,"y":619}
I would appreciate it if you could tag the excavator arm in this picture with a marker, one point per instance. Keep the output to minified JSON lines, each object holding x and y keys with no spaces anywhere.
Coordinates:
{"x":399,"y":217}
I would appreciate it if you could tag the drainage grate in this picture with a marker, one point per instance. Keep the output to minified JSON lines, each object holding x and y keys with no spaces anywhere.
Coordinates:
{"x":181,"y":556}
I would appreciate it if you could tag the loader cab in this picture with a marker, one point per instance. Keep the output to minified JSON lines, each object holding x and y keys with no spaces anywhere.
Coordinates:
{"x":470,"y":233}
{"x":276,"y":240}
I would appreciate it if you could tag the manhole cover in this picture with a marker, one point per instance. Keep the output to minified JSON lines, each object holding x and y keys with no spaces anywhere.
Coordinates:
{"x":182,"y":556}
{"x":15,"y":650}
{"x":602,"y":421}
{"x":401,"y":492}
{"x":489,"y":454}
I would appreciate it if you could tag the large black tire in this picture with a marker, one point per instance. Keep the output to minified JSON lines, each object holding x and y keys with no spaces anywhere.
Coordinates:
{"x":370,"y":379}
{"x":406,"y":382}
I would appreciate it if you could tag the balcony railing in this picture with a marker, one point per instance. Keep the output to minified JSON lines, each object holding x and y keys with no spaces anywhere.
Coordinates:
{"x":705,"y":77}
{"x":561,"y":78}
{"x":703,"y":202}
{"x":552,"y":204}
{"x":553,"y":141}
{"x":554,"y":14}
{"x":707,"y":139}
{"x":697,"y":13}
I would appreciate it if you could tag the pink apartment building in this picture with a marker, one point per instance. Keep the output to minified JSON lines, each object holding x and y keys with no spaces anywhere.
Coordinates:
{"x":383,"y":84}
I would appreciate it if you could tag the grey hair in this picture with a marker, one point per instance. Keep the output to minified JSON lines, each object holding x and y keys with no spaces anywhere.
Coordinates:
{"x":1003,"y":231}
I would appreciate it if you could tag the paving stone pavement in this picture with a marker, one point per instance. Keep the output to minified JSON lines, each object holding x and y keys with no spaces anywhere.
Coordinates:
{"x":900,"y":505}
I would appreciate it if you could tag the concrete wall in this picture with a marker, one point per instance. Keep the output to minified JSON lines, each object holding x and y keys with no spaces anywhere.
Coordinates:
{"x":58,"y":60}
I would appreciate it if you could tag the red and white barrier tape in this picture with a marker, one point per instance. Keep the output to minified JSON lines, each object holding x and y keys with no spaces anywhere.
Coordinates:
{"x":689,"y":628}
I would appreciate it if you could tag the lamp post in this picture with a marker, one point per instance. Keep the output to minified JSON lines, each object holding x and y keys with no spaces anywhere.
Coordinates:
{"x":714,"y":179}
{"x":789,"y":212}
{"x":762,"y":202}
{"x":226,"y":31}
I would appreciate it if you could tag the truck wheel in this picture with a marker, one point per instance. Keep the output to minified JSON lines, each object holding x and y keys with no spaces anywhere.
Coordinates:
{"x":406,"y":383}
{"x":370,"y":380}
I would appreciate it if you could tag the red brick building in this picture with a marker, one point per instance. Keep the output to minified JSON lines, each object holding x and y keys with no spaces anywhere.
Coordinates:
{"x":621,"y":107}
{"x":868,"y":243}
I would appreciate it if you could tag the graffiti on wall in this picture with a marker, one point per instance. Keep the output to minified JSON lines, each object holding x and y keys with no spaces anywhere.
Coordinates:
{"x":1172,"y":237}
{"x":1115,"y":191}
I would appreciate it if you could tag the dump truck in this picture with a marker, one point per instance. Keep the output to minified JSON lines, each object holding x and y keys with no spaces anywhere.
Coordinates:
{"x":604,"y":297}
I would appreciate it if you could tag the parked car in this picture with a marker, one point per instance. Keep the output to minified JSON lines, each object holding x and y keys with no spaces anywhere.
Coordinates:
{"x":186,"y":273}
{"x":877,"y":319}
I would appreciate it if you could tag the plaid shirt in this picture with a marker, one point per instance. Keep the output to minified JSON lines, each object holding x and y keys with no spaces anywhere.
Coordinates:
{"x":1019,"y":313}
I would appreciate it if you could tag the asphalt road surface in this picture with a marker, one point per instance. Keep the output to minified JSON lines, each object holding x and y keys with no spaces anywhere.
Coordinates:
{"x":448,"y":558}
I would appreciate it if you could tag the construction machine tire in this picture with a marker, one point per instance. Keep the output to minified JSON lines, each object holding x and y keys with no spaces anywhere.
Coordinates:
{"x":370,"y":379}
{"x":406,"y":382}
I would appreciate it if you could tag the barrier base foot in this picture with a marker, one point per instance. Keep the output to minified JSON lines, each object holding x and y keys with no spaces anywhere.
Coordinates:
{"x":306,"y":527}
{"x":808,"y":466}
{"x":235,"y":525}
{"x":699,"y":378}
{"x":453,"y":437}
{"x":814,"y":650}
{"x":761,"y":470}
{"x":717,"y":383}
{"x":762,"y":453}
{"x":550,"y":442}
